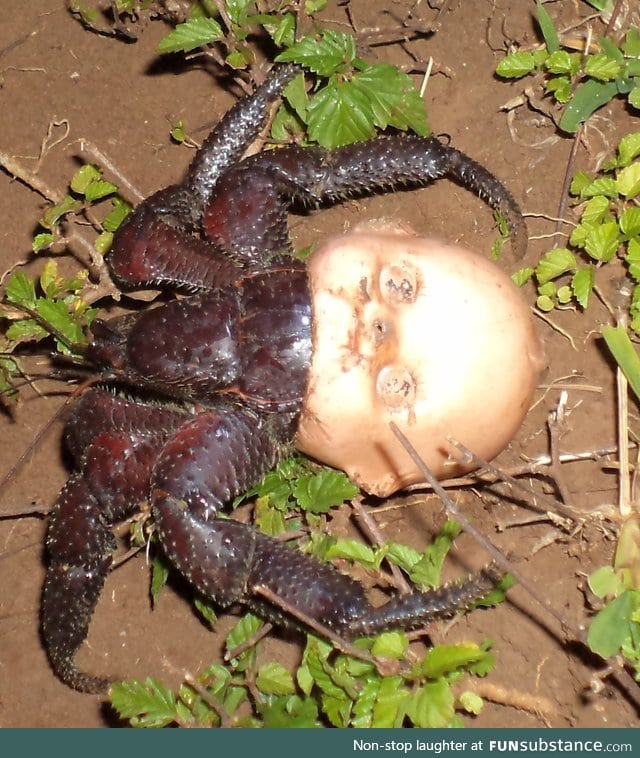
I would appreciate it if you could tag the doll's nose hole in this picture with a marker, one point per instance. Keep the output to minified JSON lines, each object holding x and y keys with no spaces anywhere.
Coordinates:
{"x":396,"y":387}
{"x":398,"y":284}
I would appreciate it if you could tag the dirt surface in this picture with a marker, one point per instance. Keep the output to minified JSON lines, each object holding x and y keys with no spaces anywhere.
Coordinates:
{"x":123,"y":99}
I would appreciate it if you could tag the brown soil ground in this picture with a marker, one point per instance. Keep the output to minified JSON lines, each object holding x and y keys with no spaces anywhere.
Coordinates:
{"x":123,"y":99}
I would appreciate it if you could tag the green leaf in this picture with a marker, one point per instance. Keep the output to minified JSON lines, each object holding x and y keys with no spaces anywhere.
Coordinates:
{"x":628,"y":180}
{"x":26,"y":330}
{"x":402,"y":555}
{"x":629,"y":222}
{"x":324,"y":56}
{"x":563,"y":62}
{"x":522,"y":276}
{"x":560,"y":87}
{"x":390,"y":703}
{"x":602,"y":67}
{"x":589,"y":96}
{"x":602,"y":186}
{"x":432,"y":706}
{"x":159,"y":577}
{"x":274,"y":679}
{"x":116,"y":215}
{"x":631,"y":44}
{"x":516,"y":65}
{"x":362,"y":712}
{"x":390,"y":645}
{"x":548,"y":29}
{"x":103,"y":242}
{"x":625,"y":355}
{"x":52,"y":215}
{"x":605,"y":582}
{"x":283,"y":29}
{"x":339,"y":115}
{"x":206,"y":611}
{"x":98,"y":190}
{"x":193,"y":33}
{"x":295,"y":93}
{"x":392,"y":98}
{"x":83,"y":177}
{"x":596,"y":210}
{"x":634,"y":97}
{"x":611,"y":627}
{"x":554,"y":263}
{"x":21,"y":290}
{"x":145,"y":704}
{"x":471,"y":703}
{"x":351,"y":550}
{"x":319,"y":492}
{"x":426,"y":572}
{"x":580,"y":180}
{"x":582,"y":285}
{"x":602,"y":241}
{"x":42,"y":241}
{"x":445,"y":659}
{"x":545,"y":303}
{"x":628,"y":148}
{"x":246,"y":628}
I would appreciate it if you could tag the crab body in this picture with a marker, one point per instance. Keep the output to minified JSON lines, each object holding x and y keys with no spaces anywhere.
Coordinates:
{"x":215,"y":383}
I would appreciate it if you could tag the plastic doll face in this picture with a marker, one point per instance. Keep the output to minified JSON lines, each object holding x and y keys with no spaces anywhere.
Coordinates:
{"x":432,"y":337}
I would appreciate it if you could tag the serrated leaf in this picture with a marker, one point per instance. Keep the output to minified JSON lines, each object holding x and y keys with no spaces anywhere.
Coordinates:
{"x":561,"y":62}
{"x":283,"y":29}
{"x":98,"y":190}
{"x":445,"y":659}
{"x":293,"y":712}
{"x":522,"y":276}
{"x":20,"y":290}
{"x":116,"y":215}
{"x":103,"y":242}
{"x":516,"y":65}
{"x":206,"y":611}
{"x":25,"y":330}
{"x":628,"y":180}
{"x":601,"y":66}
{"x":392,"y":98}
{"x":611,"y":627}
{"x":295,"y":93}
{"x":83,"y":177}
{"x":595,"y":210}
{"x":402,"y":555}
{"x":426,"y":572}
{"x":390,"y":645}
{"x":602,"y":241}
{"x":52,"y":215}
{"x":560,"y":87}
{"x":432,"y":706}
{"x":554,"y":263}
{"x":274,"y":679}
{"x":324,"y":56}
{"x":351,"y":550}
{"x":319,"y":492}
{"x":628,"y":148}
{"x":145,"y":704}
{"x":548,"y":29}
{"x":191,"y":34}
{"x":340,"y":115}
{"x":629,"y":222}
{"x":589,"y":96}
{"x":42,"y":241}
{"x":580,"y":180}
{"x":582,"y":285}
{"x":362,"y":711}
{"x":246,"y":628}
{"x":390,"y":703}
{"x":268,"y":519}
{"x":602,"y":186}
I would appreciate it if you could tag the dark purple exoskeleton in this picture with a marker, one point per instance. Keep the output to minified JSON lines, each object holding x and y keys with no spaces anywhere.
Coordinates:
{"x":217,"y":381}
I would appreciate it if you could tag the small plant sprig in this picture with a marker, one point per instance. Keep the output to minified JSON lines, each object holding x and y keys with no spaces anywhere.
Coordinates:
{"x":580,"y":83}
{"x":608,"y":229}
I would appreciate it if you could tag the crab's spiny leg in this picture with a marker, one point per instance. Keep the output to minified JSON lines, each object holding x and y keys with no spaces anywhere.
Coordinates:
{"x":278,"y":179}
{"x":114,"y":478}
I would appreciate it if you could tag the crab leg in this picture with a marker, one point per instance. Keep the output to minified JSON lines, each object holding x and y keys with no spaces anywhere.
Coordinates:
{"x":113,"y":480}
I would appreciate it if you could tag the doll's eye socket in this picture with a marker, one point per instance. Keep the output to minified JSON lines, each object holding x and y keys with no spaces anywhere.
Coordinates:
{"x":396,"y":386}
{"x":399,"y":283}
